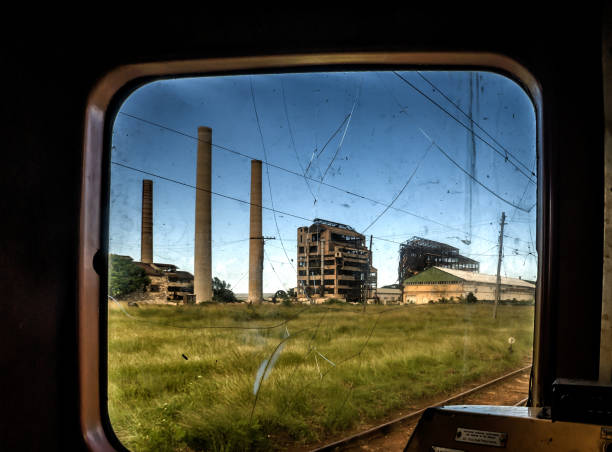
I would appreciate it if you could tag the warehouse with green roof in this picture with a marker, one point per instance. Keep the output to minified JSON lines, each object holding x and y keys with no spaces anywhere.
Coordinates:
{"x":437,"y":282}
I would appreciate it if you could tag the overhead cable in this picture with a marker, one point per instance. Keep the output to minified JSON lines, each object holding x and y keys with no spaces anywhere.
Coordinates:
{"x":335,"y":187}
{"x":474,"y":122}
{"x":505,"y":157}
{"x":516,"y":206}
{"x":263,"y":145}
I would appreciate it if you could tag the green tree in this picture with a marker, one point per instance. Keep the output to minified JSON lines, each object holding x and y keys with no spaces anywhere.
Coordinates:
{"x":222,"y":291}
{"x":125,"y":276}
{"x":471,"y":298}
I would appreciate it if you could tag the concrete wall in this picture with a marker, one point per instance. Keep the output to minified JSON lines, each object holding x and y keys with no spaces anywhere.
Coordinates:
{"x":389,"y":295}
{"x":487,"y":292}
{"x":422,"y":293}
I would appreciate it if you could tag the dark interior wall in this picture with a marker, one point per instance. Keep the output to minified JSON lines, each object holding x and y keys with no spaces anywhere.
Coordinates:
{"x":51,"y":65}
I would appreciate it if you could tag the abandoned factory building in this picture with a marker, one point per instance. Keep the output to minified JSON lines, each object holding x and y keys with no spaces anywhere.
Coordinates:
{"x":389,"y":294}
{"x":334,"y":262}
{"x":418,"y":254}
{"x":437,"y":282}
{"x":167,"y":282}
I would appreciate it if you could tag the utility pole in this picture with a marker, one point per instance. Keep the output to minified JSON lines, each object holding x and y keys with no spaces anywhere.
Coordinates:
{"x":499,"y":261}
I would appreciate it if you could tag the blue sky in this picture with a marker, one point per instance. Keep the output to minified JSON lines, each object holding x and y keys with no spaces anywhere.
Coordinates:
{"x":376,"y":150}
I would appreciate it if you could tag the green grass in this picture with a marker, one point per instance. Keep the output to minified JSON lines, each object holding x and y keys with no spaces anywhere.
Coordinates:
{"x":385,"y":359}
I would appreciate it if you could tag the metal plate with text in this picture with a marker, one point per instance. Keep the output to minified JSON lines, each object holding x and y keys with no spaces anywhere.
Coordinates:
{"x":467,"y":435}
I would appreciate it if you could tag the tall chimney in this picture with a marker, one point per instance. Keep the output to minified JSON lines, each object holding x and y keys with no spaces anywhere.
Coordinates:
{"x":146,"y":229}
{"x":202,"y":266}
{"x":256,"y":238}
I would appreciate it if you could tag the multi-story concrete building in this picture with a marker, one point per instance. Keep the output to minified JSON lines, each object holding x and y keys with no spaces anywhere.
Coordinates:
{"x":333,"y":262}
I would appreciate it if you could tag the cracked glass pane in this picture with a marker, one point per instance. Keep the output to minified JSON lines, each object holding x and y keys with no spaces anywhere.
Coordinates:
{"x":296,"y":257}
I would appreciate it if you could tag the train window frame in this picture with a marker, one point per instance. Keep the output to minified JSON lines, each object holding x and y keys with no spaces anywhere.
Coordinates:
{"x":102,"y":106}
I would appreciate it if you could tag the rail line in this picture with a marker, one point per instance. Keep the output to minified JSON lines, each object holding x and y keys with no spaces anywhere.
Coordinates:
{"x":415,"y":414}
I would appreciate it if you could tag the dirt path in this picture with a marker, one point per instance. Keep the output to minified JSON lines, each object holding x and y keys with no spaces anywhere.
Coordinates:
{"x":507,"y":392}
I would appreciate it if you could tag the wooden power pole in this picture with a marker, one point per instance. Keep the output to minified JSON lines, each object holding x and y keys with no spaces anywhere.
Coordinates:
{"x":499,"y":261}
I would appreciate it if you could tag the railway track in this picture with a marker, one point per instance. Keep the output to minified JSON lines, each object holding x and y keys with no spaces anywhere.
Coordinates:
{"x":407,"y":422}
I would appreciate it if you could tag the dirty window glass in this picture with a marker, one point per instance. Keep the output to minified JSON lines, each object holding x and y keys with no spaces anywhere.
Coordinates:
{"x":298,"y":257}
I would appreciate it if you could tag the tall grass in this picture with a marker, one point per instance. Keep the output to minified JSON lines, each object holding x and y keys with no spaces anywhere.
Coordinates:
{"x":174,"y":383}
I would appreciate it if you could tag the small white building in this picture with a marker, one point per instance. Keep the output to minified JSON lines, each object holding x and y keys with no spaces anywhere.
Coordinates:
{"x":437,"y":282}
{"x":389,"y":294}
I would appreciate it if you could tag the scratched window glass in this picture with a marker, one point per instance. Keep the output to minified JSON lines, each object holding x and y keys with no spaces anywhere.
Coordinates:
{"x":295,"y":258}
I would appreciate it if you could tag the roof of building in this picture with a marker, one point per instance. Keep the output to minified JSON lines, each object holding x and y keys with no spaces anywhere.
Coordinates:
{"x":440,"y":274}
{"x":332,"y":224}
{"x":149,"y":269}
{"x":166,"y":267}
{"x":391,"y":286}
{"x":389,"y":290}
{"x":420,"y":242}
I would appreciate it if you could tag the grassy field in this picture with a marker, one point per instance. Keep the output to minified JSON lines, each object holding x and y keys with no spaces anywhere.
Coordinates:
{"x":174,"y":383}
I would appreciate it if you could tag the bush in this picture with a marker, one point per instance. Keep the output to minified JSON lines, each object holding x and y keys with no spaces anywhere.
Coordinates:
{"x":287,"y":302}
{"x":334,"y":301}
{"x":125,"y":276}
{"x":222,"y":292}
{"x":471,"y":298}
{"x":280,"y":295}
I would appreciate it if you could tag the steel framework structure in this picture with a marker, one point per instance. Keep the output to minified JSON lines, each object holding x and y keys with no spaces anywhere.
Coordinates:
{"x":418,"y":254}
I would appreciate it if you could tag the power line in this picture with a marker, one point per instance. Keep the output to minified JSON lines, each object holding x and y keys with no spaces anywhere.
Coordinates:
{"x":274,"y":270}
{"x":335,"y":187}
{"x":482,"y":238}
{"x":264,"y":207}
{"x":401,"y":191}
{"x":297,"y":157}
{"x":208,"y":191}
{"x":505,"y":157}
{"x":472,"y":177}
{"x":240,"y":279}
{"x":267,"y":169}
{"x":474,"y":122}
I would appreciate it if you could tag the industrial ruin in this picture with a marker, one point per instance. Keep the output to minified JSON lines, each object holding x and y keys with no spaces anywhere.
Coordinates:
{"x":167,"y":282}
{"x":256,"y":240}
{"x":333,"y":259}
{"x":334,"y":262}
{"x":170,"y":284}
{"x":202,"y":259}
{"x":418,"y":254}
{"x":437,"y":283}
